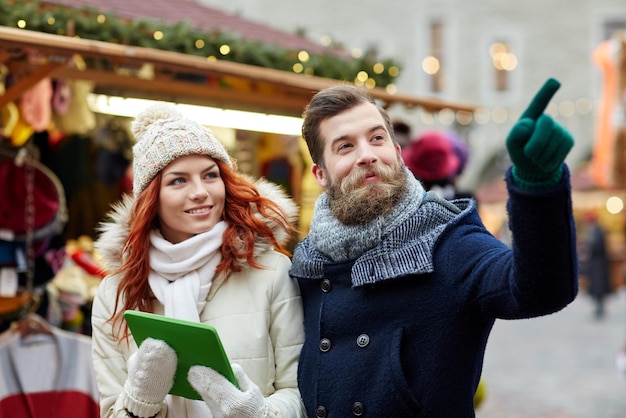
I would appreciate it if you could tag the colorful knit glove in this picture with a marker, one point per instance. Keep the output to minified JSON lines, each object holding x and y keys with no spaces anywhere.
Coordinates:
{"x":224,"y":399}
{"x":150,"y":377}
{"x":538,"y":145}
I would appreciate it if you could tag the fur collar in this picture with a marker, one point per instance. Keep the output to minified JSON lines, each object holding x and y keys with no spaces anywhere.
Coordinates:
{"x":114,"y":230}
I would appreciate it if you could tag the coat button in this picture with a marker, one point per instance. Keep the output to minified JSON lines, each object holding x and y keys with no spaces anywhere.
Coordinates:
{"x":324,"y":345}
{"x":320,"y":412}
{"x":363,"y":340}
{"x":326,"y":285}
{"x":358,"y":409}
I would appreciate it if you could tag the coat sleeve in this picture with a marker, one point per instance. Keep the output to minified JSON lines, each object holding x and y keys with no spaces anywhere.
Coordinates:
{"x":109,"y":356}
{"x":545,"y":260}
{"x":287,"y":335}
{"x":537,"y":275}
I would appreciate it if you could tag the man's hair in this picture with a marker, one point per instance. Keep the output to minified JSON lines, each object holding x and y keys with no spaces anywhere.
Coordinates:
{"x":330,"y":102}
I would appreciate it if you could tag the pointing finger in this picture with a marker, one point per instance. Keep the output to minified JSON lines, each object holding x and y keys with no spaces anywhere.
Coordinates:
{"x":541,"y":99}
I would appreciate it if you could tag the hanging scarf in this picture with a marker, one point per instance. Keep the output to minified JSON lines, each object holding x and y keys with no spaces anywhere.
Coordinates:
{"x":180,"y":278}
{"x":341,"y":242}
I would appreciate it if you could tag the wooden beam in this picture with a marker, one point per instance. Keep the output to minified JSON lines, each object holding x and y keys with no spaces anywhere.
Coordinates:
{"x":288,"y":88}
{"x":192,"y":93}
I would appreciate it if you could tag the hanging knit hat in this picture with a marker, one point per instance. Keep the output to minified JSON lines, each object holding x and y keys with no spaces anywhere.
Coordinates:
{"x":163,"y":135}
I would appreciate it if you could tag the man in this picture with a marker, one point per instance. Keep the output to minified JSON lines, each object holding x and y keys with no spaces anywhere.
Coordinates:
{"x":400,"y":287}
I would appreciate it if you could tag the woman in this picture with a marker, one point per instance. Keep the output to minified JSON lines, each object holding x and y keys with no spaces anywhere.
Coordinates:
{"x":203,"y":243}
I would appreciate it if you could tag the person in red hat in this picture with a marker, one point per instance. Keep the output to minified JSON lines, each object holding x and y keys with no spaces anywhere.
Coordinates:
{"x":436,"y":160}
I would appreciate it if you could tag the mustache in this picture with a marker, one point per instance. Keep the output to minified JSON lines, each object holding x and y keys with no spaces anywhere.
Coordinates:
{"x":355,"y":179}
{"x":355,"y":202}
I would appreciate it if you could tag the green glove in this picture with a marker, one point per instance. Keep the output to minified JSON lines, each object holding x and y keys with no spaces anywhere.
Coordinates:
{"x":538,"y":145}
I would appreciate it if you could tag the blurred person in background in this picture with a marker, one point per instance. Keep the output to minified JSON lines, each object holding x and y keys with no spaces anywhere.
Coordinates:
{"x":596,"y":264}
{"x":402,"y":132}
{"x":437,"y":158}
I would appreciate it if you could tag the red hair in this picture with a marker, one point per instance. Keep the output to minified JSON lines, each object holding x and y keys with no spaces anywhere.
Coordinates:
{"x":242,"y":206}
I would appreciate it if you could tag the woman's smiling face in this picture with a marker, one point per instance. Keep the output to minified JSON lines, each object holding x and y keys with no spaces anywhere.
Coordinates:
{"x":191,"y":198}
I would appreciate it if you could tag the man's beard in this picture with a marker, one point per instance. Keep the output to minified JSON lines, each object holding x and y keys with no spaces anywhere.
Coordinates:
{"x":354,"y":202}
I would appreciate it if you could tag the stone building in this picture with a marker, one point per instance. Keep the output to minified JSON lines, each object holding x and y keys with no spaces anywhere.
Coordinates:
{"x":447,"y":49}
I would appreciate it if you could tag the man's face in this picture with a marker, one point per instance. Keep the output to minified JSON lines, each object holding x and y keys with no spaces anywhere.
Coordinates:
{"x":363,"y":173}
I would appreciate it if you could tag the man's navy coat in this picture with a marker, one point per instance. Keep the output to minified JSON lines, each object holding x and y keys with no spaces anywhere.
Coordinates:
{"x":383,"y":344}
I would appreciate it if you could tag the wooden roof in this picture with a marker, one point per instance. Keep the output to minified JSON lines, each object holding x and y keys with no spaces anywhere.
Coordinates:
{"x":198,"y":16}
{"x":130,"y":71}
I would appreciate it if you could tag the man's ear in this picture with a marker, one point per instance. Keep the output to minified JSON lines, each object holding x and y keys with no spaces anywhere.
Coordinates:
{"x":319,"y":174}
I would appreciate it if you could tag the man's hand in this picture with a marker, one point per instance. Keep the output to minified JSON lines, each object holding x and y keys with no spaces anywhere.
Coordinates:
{"x":537,"y":144}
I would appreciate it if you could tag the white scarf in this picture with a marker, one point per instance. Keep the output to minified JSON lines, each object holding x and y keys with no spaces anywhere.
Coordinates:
{"x":180,"y":278}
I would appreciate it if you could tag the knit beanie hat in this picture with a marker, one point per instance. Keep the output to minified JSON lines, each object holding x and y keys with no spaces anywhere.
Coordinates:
{"x":163,"y":135}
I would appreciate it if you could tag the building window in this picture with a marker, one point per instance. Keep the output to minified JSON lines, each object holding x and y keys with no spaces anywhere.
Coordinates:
{"x":432,"y":64}
{"x":504,"y":61}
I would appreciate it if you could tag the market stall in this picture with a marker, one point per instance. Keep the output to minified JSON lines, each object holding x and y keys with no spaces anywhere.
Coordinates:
{"x":47,"y":80}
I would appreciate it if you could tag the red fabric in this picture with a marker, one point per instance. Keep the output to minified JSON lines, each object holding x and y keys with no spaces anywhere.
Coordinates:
{"x":61,"y":404}
{"x":13,"y":198}
{"x":84,"y":260}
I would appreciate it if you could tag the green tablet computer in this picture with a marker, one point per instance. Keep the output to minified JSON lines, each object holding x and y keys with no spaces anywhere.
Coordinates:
{"x":194,"y":343}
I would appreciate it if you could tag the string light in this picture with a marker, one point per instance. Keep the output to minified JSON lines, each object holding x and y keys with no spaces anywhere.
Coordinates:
{"x":614,"y":205}
{"x":303,"y":56}
{"x":362,"y":76}
{"x":356,"y":53}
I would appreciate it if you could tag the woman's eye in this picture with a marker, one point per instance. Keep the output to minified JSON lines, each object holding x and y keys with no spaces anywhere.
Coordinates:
{"x":178,"y":180}
{"x":212,"y":175}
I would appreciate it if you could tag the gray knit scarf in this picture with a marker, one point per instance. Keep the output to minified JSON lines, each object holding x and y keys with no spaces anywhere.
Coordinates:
{"x":340,"y":242}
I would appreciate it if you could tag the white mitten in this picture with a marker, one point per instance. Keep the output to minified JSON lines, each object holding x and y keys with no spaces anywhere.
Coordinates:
{"x":223,"y":398}
{"x":150,"y":377}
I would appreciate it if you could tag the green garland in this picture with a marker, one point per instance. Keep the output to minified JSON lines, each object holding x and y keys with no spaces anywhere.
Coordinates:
{"x":88,"y":23}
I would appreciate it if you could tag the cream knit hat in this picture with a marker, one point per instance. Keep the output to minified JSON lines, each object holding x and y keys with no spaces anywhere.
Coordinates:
{"x":162,"y":136}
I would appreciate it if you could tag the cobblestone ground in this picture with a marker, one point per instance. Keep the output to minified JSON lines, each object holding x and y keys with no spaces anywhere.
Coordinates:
{"x":557,"y":366}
